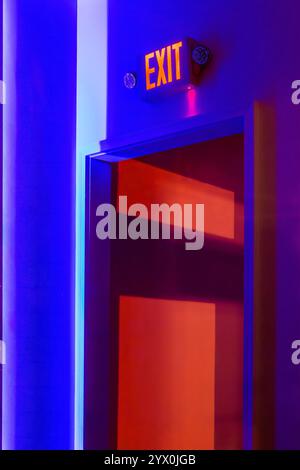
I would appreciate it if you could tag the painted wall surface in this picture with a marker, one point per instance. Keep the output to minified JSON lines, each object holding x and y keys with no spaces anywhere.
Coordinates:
{"x":154,"y":282}
{"x":90,"y":114}
{"x":39,"y":223}
{"x":255,"y":59}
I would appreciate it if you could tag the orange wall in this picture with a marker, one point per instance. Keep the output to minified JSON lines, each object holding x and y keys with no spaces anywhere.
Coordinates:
{"x":166,"y":374}
{"x":178,"y":311}
{"x":147,"y":184}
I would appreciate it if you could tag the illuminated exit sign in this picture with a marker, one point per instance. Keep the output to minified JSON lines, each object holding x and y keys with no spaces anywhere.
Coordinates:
{"x":163,"y":66}
{"x":175,"y":66}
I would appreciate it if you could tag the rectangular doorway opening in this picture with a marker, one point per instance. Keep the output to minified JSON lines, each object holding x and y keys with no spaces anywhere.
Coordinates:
{"x":180,"y":313}
{"x":165,"y":326}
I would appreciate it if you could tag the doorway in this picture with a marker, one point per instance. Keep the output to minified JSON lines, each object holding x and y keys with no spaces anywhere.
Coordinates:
{"x":167,"y":324}
{"x":180,"y":361}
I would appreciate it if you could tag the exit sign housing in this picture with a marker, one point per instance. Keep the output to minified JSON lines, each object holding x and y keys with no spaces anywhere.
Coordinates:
{"x":172,"y":67}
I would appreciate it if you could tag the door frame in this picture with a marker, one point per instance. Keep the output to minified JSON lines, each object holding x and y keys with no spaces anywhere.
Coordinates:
{"x":100,"y":402}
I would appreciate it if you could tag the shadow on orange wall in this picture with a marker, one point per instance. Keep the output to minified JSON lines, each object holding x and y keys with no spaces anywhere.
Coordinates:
{"x":180,"y":314}
{"x":147,"y":184}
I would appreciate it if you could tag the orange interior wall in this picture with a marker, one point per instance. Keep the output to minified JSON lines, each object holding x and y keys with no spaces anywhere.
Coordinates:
{"x":148,"y":185}
{"x":181,"y":314}
{"x":166,"y":374}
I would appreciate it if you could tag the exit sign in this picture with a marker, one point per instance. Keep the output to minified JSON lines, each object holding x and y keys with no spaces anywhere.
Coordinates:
{"x":175,"y":66}
{"x":163,"y":66}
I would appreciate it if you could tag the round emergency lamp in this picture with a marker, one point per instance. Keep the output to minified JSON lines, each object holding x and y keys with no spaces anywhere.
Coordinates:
{"x":201,"y":55}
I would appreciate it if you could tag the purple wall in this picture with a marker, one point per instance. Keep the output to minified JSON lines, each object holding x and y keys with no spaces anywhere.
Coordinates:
{"x":255,"y":59}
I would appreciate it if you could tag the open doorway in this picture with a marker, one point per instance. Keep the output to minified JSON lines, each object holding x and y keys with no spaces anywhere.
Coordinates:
{"x":171,"y":374}
{"x":180,"y":383}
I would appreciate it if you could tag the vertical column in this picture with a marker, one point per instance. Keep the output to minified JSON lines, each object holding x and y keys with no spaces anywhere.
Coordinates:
{"x":39,"y":223}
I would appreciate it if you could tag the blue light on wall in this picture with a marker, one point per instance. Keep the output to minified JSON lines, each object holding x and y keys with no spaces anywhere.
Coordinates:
{"x":39,"y":223}
{"x":91,"y":127}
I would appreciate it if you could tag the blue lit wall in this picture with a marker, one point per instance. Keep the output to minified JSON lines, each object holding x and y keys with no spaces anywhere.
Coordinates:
{"x":39,"y":223}
{"x":255,"y":59}
{"x":91,"y":127}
